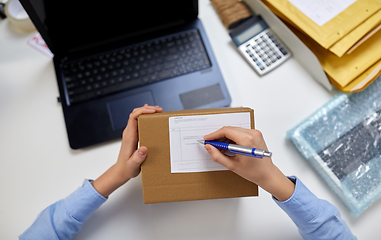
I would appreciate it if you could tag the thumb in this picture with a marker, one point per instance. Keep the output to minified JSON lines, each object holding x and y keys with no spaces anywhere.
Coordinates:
{"x":136,"y":160}
{"x":142,"y":151}
{"x":219,"y":157}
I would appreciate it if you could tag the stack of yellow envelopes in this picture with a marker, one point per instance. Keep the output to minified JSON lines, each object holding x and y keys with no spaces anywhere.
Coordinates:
{"x":348,"y":46}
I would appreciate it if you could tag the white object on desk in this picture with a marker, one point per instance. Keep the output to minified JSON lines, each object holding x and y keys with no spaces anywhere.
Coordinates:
{"x":259,"y":46}
{"x":187,"y":155}
{"x":299,"y":51}
{"x":38,"y":43}
{"x":17,"y":15}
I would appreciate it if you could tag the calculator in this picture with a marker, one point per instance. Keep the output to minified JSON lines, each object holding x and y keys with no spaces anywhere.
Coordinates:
{"x":258,"y":45}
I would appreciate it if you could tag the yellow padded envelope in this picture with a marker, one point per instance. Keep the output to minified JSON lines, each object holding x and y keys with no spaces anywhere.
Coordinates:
{"x":347,"y":42}
{"x":344,"y":44}
{"x":335,"y":29}
{"x":348,"y":68}
{"x":362,"y":81}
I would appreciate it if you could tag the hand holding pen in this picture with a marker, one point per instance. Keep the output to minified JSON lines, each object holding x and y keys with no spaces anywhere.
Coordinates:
{"x":234,"y":148}
{"x":260,"y":171}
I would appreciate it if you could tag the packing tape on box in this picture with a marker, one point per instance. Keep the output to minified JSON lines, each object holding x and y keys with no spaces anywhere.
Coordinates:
{"x":17,"y":16}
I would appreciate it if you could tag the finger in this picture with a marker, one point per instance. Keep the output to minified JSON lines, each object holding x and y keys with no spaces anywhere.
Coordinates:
{"x":232,"y":133}
{"x":132,"y":125}
{"x":219,"y":157}
{"x":130,"y":133}
{"x":136,"y":160}
{"x":144,"y":110}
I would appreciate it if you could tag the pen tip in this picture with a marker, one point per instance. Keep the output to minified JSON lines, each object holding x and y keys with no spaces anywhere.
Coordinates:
{"x":201,"y":141}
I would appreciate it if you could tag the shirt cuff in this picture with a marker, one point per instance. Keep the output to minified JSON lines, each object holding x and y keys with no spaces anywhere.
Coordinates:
{"x":303,"y":205}
{"x":84,"y":201}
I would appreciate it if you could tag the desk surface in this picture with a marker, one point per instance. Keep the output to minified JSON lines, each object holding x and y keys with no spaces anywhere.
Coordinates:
{"x":38,"y":167}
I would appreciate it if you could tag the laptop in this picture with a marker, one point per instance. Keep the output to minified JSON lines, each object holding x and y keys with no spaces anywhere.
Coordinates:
{"x":113,"y":56}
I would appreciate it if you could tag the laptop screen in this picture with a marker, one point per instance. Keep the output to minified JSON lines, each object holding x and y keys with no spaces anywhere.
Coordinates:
{"x":72,"y":26}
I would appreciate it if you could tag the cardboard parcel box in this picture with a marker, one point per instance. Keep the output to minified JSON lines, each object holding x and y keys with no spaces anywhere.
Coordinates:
{"x":160,"y":185}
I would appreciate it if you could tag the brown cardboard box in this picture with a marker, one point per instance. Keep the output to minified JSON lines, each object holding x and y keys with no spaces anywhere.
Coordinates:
{"x":160,"y":185}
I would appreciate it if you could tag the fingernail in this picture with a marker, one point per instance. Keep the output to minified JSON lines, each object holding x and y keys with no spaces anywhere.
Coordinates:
{"x":142,"y":151}
{"x":207,"y":148}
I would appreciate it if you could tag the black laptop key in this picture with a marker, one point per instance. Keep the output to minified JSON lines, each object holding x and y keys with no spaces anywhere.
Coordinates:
{"x":165,"y":74}
{"x":123,"y":86}
{"x":135,"y":66}
{"x":172,"y":57}
{"x":169,"y":65}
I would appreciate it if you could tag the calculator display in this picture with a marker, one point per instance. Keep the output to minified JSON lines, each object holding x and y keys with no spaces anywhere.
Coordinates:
{"x":249,"y":33}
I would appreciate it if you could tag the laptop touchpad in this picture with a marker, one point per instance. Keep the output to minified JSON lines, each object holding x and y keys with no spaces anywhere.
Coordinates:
{"x":119,"y":110}
{"x":202,"y":96}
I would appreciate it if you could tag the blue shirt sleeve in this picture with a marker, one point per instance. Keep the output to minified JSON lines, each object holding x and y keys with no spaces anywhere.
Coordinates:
{"x":64,"y":218}
{"x":314,"y":217}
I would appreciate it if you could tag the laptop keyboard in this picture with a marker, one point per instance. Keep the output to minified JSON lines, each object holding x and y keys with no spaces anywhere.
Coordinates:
{"x":136,"y":66}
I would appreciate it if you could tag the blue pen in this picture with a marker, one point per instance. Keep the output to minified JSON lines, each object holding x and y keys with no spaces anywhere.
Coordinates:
{"x":252,"y":152}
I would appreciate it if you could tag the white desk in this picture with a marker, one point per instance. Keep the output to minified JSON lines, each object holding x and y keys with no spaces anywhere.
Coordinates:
{"x":38,"y":167}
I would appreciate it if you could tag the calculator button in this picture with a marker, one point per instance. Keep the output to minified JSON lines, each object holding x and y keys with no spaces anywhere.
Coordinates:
{"x":264,"y":50}
{"x":283,"y":51}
